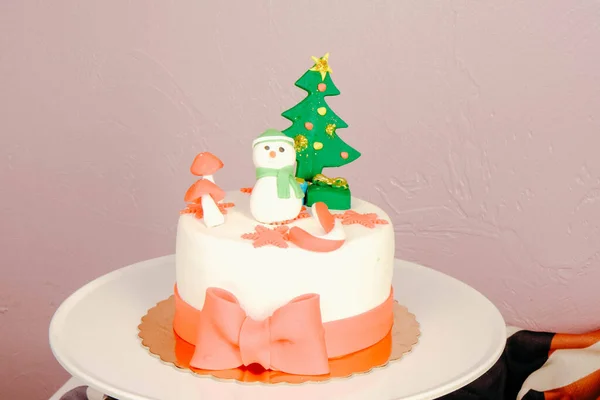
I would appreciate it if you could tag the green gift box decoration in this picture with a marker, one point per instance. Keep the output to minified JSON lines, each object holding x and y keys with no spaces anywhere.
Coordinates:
{"x":332,"y":191}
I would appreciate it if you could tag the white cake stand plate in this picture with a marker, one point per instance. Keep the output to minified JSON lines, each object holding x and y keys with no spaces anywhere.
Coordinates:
{"x":94,"y":337}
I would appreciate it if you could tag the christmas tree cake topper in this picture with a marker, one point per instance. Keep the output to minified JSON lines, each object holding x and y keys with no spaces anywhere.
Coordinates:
{"x":314,"y":133}
{"x":277,"y":195}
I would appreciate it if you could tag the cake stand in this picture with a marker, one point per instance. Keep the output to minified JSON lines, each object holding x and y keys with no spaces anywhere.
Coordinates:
{"x":93,"y":335}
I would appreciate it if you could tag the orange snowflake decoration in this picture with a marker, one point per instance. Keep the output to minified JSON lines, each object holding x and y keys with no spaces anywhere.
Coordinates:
{"x":193,"y":208}
{"x":368,"y":220}
{"x":196,"y":208}
{"x":264,"y":236}
{"x":224,"y":206}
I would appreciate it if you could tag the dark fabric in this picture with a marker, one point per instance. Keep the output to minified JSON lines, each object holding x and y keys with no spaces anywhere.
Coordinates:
{"x":489,"y":386}
{"x":534,"y":395}
{"x":526,"y":352}
{"x":79,"y":393}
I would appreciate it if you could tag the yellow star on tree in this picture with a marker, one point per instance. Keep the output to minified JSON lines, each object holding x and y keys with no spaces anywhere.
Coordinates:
{"x":322,"y":65}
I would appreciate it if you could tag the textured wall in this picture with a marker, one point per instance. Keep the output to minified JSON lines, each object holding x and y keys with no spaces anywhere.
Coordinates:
{"x":479,"y":124}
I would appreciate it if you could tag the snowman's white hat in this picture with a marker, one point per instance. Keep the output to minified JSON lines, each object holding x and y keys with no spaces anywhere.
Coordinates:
{"x":272,"y":135}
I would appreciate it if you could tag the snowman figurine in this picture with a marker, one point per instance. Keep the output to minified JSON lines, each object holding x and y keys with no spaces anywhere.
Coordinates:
{"x":276,"y":196}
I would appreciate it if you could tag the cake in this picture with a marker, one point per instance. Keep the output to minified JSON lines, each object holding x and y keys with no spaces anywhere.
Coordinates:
{"x":294,"y":271}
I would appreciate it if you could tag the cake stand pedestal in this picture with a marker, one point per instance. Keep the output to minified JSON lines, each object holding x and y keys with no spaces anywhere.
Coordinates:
{"x":93,"y":335}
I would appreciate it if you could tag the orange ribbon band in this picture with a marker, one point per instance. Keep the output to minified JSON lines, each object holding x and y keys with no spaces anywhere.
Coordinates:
{"x":341,"y":337}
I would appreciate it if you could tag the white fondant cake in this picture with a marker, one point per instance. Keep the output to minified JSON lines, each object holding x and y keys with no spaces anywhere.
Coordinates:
{"x":350,"y":280}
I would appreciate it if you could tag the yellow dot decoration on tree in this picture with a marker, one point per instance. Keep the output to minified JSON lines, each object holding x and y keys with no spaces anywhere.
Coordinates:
{"x":330,"y":129}
{"x":300,"y":143}
{"x":318,"y":145}
{"x":321,"y":111}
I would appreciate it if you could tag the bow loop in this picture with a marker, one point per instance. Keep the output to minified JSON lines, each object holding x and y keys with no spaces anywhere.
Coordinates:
{"x":219,"y":337}
{"x":297,"y":334}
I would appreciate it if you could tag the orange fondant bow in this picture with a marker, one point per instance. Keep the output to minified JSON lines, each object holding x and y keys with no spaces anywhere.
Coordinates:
{"x":292,"y":340}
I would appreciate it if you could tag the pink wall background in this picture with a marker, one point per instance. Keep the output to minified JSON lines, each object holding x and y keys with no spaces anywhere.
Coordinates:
{"x":479,"y":124}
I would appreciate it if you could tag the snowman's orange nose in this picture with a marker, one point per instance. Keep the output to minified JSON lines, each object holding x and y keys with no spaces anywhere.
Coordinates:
{"x":272,"y":154}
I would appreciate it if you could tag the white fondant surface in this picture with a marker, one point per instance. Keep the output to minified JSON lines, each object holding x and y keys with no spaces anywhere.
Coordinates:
{"x":350,"y":280}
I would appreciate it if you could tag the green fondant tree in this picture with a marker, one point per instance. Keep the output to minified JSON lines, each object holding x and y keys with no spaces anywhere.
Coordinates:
{"x":314,"y":125}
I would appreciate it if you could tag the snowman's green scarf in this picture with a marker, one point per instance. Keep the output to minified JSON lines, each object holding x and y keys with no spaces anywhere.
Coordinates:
{"x":285,"y":179}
